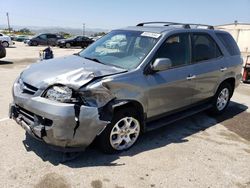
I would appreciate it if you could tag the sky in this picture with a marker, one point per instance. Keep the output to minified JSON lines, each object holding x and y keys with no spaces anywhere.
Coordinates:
{"x":110,"y":14}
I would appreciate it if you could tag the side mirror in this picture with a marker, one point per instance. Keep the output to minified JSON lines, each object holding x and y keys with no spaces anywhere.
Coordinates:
{"x":161,"y":64}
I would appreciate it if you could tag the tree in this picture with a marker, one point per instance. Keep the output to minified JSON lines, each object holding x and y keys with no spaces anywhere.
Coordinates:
{"x":98,"y":34}
{"x":64,"y":34}
{"x":25,"y":31}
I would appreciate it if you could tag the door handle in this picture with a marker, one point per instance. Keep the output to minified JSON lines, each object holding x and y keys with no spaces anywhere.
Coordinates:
{"x":191,"y":77}
{"x":223,"y":69}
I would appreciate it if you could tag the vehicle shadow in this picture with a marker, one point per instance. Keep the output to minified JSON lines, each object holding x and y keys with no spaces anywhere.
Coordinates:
{"x":5,"y":62}
{"x":174,"y":133}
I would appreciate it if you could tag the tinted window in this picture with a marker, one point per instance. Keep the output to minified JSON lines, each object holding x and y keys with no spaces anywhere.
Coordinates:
{"x":229,"y":43}
{"x":51,"y":36}
{"x":79,"y":38}
{"x":43,"y":36}
{"x":176,"y":48}
{"x":204,"y":48}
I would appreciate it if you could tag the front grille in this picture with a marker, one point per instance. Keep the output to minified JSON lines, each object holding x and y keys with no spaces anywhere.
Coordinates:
{"x":31,"y":118}
{"x":29,"y":89}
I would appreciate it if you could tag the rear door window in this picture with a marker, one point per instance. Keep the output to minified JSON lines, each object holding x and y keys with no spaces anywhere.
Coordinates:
{"x":51,"y":36}
{"x":176,"y":48}
{"x":229,"y":43}
{"x":204,"y":48}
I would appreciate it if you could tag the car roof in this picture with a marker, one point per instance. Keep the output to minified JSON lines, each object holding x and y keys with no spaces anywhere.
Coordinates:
{"x":155,"y":29}
{"x":165,"y":27}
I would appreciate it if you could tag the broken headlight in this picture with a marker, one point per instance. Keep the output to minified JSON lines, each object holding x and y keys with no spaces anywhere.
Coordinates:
{"x":59,"y":93}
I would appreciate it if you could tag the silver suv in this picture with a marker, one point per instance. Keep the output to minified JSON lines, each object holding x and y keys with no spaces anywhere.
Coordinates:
{"x":161,"y":72}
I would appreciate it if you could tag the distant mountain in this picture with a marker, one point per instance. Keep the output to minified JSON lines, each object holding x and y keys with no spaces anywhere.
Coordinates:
{"x":51,"y":29}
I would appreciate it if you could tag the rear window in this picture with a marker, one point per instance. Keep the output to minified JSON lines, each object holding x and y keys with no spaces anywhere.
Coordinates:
{"x":229,"y":43}
{"x":204,"y":48}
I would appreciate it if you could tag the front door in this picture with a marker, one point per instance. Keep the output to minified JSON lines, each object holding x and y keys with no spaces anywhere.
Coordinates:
{"x":172,"y":89}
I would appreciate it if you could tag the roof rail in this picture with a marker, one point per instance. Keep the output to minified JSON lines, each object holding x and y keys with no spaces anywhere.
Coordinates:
{"x":184,"y":25}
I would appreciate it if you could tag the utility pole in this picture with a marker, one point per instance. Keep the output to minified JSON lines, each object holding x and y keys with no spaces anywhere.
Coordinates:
{"x":8,"y":20}
{"x":83,"y":29}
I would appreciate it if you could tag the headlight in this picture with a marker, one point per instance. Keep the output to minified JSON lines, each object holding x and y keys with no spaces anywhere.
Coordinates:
{"x":59,"y":93}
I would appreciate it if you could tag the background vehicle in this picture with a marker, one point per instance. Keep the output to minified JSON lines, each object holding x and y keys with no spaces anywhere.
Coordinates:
{"x":21,"y":38}
{"x":2,"y":51}
{"x":152,"y":77}
{"x":81,"y":41}
{"x":44,"y":39}
{"x":6,"y":40}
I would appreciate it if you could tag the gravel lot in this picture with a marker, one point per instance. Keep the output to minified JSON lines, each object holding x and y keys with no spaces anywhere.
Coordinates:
{"x":199,"y":151}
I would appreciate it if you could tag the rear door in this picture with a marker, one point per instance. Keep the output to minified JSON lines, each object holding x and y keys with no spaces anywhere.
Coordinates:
{"x":171,"y":89}
{"x":209,"y":65}
{"x":78,"y":41}
{"x":51,"y":39}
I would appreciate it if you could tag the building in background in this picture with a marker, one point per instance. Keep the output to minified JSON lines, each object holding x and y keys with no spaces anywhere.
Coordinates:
{"x":241,"y":34}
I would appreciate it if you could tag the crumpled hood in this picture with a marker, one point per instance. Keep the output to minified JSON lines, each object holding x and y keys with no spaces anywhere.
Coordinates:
{"x":73,"y":71}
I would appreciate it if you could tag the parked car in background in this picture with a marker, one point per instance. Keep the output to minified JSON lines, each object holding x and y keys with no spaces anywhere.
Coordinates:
{"x":2,"y":51}
{"x":6,"y":40}
{"x":12,"y":37}
{"x":21,"y":38}
{"x":96,"y":38}
{"x":161,"y":75}
{"x":44,"y":39}
{"x":81,"y":41}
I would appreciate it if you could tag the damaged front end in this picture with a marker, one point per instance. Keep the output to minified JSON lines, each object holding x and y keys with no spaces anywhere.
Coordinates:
{"x":66,"y":118}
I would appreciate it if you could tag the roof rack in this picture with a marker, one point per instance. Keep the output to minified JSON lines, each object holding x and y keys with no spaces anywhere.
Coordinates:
{"x":184,"y":25}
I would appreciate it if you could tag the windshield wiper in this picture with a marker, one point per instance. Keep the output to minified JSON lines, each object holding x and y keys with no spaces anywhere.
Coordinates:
{"x":93,"y":59}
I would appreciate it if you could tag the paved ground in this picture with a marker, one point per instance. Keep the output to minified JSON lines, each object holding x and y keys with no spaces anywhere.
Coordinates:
{"x":200,"y":151}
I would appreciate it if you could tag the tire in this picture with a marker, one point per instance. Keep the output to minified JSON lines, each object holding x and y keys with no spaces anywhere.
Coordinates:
{"x":67,"y":45}
{"x":5,"y":44}
{"x":221,"y":98}
{"x":2,"y":51}
{"x":122,"y":133}
{"x":34,"y":43}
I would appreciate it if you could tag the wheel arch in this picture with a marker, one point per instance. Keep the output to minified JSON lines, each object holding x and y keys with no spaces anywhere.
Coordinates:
{"x":107,"y":112}
{"x":230,"y":81}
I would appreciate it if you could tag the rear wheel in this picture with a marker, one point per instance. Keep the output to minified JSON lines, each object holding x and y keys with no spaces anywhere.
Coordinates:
{"x":5,"y":44}
{"x":122,"y":133}
{"x":222,"y":98}
{"x":67,"y":45}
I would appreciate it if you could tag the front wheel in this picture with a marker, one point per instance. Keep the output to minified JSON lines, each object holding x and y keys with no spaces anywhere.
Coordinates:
{"x":122,"y":133}
{"x":34,"y":43}
{"x":221,"y":98}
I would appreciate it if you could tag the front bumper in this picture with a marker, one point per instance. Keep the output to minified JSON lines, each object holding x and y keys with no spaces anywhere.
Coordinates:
{"x":59,"y":44}
{"x":66,"y":126}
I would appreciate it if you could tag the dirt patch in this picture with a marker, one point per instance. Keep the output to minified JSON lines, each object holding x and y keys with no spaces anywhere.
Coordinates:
{"x":53,"y":180}
{"x":212,"y":140}
{"x":232,"y":137}
{"x":247,"y":150}
{"x":96,"y":184}
{"x":237,"y":120}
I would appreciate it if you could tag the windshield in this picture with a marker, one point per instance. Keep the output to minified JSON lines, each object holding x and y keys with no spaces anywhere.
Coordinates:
{"x":125,"y":49}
